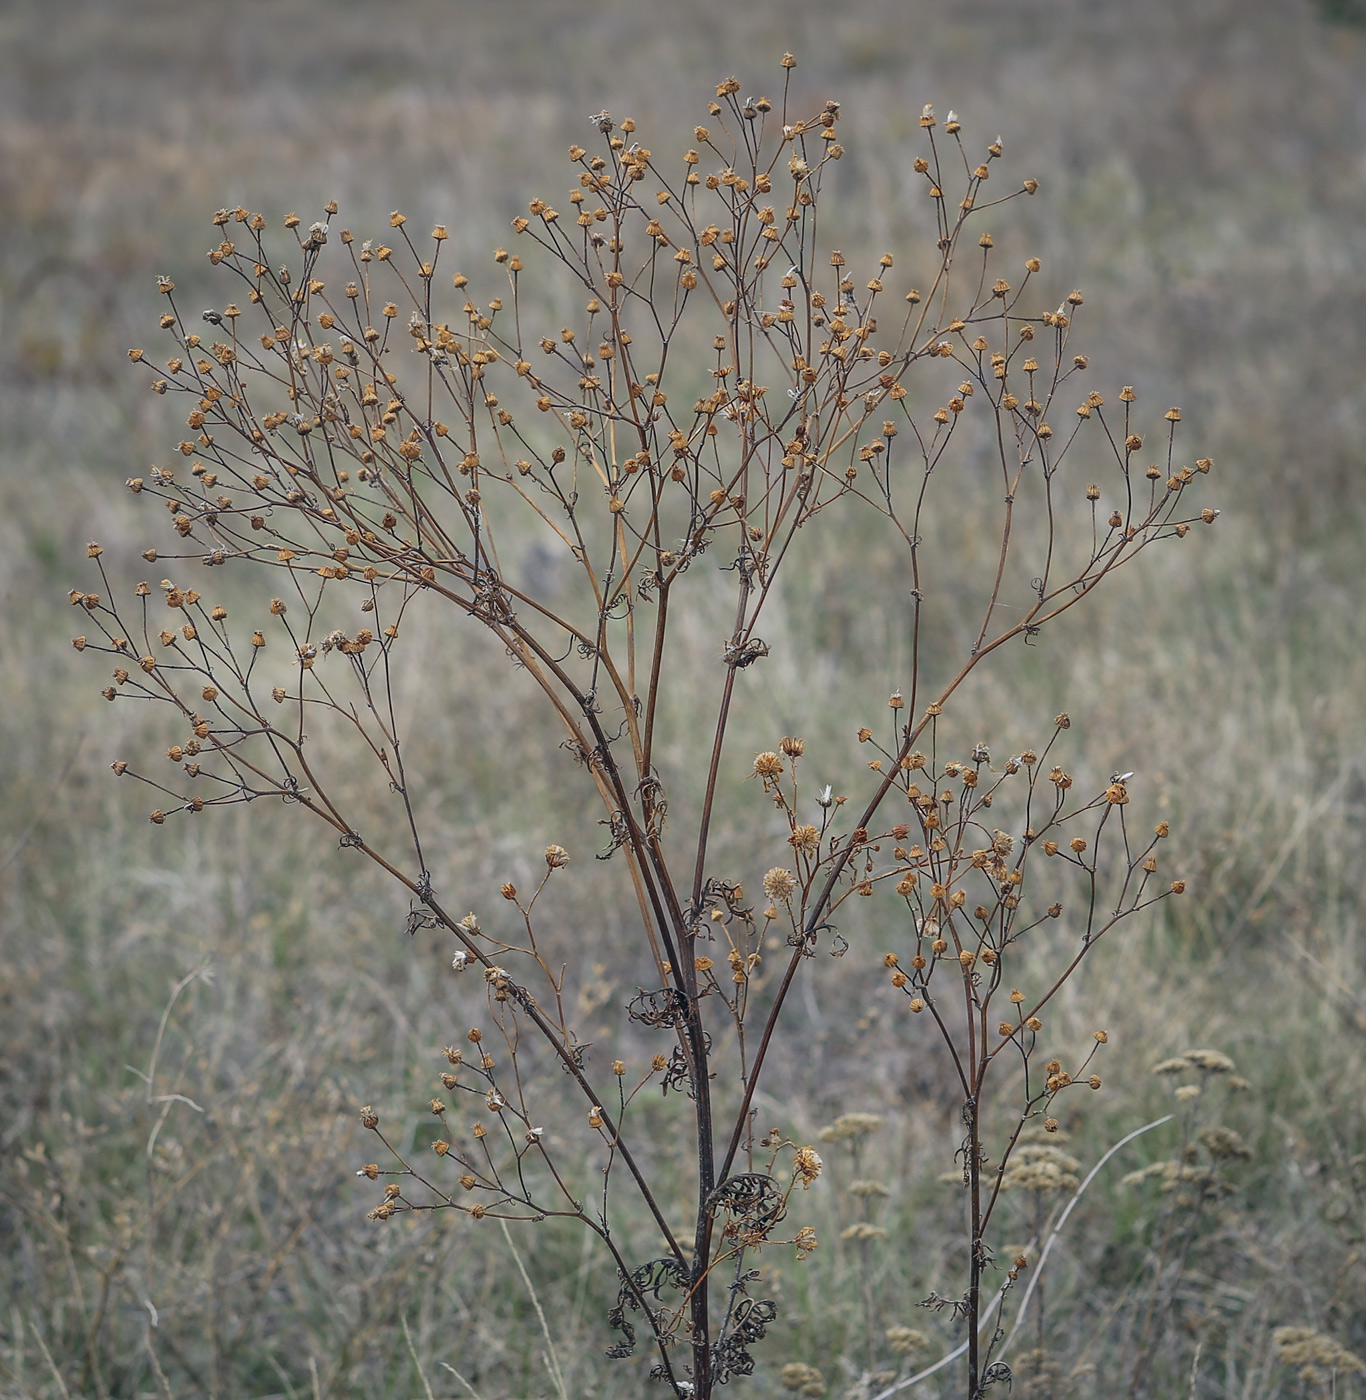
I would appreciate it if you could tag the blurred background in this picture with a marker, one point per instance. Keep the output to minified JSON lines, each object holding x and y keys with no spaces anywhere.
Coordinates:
{"x":1202,"y":179}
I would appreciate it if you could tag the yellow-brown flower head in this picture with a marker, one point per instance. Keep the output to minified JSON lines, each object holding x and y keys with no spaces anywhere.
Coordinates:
{"x":768,"y":765}
{"x":779,"y":883}
{"x":806,"y":1166}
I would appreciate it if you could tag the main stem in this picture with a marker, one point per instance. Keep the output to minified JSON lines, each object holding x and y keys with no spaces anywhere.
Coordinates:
{"x":974,"y":1299}
{"x":706,"y":1146}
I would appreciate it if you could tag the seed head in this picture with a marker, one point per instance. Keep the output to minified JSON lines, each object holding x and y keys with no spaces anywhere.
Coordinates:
{"x":768,"y":765}
{"x":805,"y":838}
{"x":1211,"y":1061}
{"x":779,"y":883}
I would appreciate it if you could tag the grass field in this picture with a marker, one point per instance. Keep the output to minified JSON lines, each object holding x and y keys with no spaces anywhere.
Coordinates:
{"x":193,"y":1014}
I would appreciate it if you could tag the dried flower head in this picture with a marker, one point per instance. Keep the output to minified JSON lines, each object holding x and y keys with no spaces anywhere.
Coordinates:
{"x":806,"y":1166}
{"x":768,"y":765}
{"x":1223,"y":1144}
{"x":907,"y":1341}
{"x":805,"y":839}
{"x":805,"y":1380}
{"x":805,"y":1241}
{"x":1313,"y":1353}
{"x":779,"y":883}
{"x":851,"y":1125}
{"x":863,"y":1230}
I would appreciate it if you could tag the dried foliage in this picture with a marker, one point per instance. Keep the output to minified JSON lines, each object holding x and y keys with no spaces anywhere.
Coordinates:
{"x":382,"y":435}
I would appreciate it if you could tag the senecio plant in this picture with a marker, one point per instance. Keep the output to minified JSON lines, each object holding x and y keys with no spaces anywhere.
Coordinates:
{"x":379,"y":438}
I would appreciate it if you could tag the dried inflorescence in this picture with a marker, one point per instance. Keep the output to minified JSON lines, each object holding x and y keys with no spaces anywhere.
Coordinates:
{"x":851,"y":1125}
{"x":1042,"y":1169}
{"x":804,"y":1379}
{"x":375,"y":432}
{"x":1317,"y":1357}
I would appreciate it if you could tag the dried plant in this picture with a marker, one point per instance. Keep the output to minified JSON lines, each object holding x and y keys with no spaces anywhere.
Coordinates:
{"x":383,"y":440}
{"x":1192,"y":1183}
{"x":1317,"y":1358}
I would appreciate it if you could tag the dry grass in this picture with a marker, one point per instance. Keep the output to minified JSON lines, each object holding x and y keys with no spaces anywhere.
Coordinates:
{"x":1201,"y":177}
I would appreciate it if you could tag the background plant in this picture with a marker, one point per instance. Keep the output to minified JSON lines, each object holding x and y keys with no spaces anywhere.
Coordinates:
{"x":293,"y":988}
